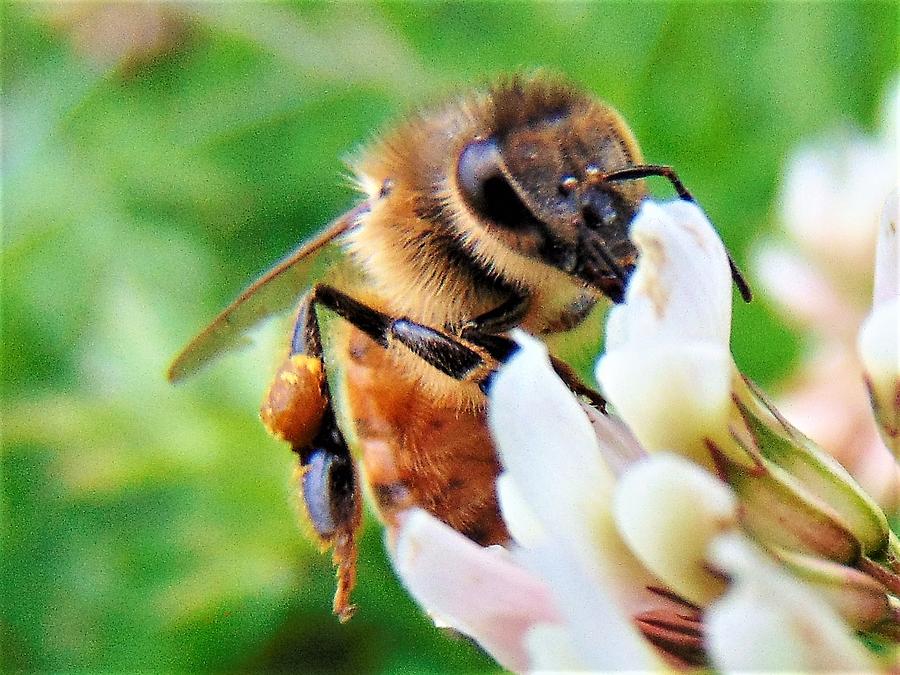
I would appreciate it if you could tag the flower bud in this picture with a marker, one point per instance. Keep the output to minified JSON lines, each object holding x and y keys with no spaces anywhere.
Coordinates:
{"x":799,"y":465}
{"x":859,"y":599}
{"x":769,"y":622}
{"x":778,"y":511}
{"x":668,"y":510}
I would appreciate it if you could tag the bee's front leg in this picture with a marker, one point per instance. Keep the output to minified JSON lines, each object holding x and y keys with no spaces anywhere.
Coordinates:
{"x":484,"y":331}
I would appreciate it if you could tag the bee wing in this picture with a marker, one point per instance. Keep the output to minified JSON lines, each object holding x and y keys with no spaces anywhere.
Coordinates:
{"x":274,"y":292}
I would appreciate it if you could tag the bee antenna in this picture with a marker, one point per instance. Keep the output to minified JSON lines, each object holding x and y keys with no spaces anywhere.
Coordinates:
{"x":647,"y":170}
{"x":740,"y":281}
{"x":667,"y":172}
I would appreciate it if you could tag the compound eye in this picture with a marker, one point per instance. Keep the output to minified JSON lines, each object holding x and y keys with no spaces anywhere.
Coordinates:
{"x":486,"y":189}
{"x":328,"y":490}
{"x":478,"y":162}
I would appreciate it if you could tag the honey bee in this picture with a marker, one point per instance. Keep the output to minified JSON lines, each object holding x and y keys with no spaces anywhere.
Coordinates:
{"x":504,"y":208}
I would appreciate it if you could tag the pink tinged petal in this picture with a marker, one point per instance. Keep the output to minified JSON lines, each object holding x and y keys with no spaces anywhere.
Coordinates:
{"x":769,"y":621}
{"x":879,"y":474}
{"x":475,"y":590}
{"x":803,"y":293}
{"x":668,"y":510}
{"x":829,"y":403}
{"x":618,"y":444}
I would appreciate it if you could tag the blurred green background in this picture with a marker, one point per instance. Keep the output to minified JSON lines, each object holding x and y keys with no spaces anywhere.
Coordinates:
{"x":156,"y":157}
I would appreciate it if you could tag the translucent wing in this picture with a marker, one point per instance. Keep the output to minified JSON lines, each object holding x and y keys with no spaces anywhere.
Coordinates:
{"x":276,"y":291}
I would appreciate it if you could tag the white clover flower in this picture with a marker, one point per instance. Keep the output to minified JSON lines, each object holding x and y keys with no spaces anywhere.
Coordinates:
{"x":880,"y":333}
{"x":478,"y":591}
{"x":700,"y":529}
{"x":820,"y":280}
{"x":831,"y":198}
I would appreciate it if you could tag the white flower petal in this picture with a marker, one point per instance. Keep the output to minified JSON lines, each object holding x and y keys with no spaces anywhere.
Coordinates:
{"x":879,"y":349}
{"x":524,"y":527}
{"x":475,"y":590}
{"x":602,"y":632}
{"x":769,"y":621}
{"x":887,"y":273}
{"x":668,"y":510}
{"x":667,"y":369}
{"x":878,"y":343}
{"x":802,"y":293}
{"x":551,"y":650}
{"x":618,"y":445}
{"x":550,"y":451}
{"x":681,"y":289}
{"x":546,"y":442}
{"x":672,"y":396}
{"x":832,"y":195}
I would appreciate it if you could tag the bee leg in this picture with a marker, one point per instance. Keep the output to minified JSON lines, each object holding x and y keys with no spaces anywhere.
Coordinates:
{"x":574,"y":383}
{"x":333,"y":502}
{"x":297,"y":409}
{"x":500,"y":319}
{"x":454,"y":356}
{"x":472,"y":358}
{"x":667,"y":172}
{"x":482,"y":331}
{"x":501,"y":348}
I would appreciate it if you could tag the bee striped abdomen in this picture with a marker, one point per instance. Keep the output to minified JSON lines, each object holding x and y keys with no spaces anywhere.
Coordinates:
{"x":416,"y":450}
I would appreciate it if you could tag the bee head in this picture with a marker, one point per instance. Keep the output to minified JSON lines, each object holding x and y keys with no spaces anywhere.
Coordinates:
{"x":537,"y":185}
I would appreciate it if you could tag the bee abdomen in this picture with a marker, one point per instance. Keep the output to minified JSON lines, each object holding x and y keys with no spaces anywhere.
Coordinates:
{"x":418,"y":450}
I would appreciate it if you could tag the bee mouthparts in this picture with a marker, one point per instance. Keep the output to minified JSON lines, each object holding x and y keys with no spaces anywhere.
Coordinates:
{"x":600,"y":268}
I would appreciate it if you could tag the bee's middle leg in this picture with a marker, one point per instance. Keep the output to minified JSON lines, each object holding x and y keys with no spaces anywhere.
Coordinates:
{"x":473,"y":357}
{"x":456,"y":357}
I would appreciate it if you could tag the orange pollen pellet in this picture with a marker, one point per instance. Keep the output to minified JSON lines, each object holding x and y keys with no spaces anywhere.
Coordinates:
{"x":295,"y":401}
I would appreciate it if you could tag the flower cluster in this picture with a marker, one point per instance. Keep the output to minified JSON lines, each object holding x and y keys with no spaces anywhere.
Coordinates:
{"x":691,"y":526}
{"x":819,"y":278}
